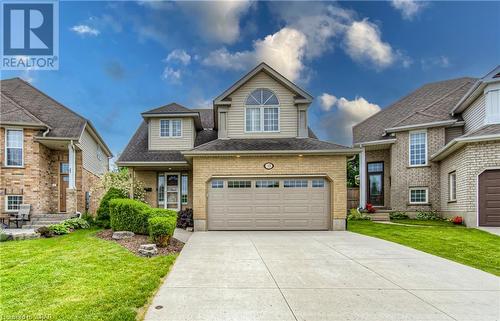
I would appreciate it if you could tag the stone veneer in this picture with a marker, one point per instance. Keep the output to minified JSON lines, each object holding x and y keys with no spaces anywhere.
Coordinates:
{"x":333,"y":166}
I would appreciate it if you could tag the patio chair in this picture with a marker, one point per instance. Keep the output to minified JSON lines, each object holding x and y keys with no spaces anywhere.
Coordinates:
{"x":22,"y":215}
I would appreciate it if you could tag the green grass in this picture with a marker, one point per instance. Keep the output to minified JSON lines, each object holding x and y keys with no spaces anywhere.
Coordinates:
{"x":468,"y":246}
{"x":76,"y":277}
{"x":441,"y":223}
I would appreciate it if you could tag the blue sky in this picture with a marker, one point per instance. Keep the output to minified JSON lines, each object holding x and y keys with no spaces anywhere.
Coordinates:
{"x":118,"y":59}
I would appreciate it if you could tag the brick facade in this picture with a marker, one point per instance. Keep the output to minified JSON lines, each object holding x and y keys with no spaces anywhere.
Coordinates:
{"x":333,"y":166}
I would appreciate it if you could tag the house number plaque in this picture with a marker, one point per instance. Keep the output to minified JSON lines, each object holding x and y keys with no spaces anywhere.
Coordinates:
{"x":268,"y":166}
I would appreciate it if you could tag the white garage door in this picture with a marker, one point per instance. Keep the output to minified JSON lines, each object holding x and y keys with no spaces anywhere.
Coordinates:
{"x":268,"y":204}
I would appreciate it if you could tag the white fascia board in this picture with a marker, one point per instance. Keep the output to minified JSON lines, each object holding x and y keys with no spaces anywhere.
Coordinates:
{"x":459,"y":142}
{"x":421,"y":126}
{"x":376,"y":142}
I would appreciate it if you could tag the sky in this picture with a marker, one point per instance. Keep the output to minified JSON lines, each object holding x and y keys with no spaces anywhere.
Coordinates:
{"x":118,"y":59}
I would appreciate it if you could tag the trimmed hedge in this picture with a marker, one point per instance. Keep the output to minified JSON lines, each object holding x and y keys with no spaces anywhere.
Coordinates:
{"x":103,"y":215}
{"x":129,"y":215}
{"x":160,"y":212}
{"x":161,"y":228}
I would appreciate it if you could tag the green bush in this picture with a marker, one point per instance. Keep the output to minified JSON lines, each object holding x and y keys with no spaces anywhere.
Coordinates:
{"x":59,"y":229}
{"x":398,"y":215}
{"x":160,"y":212}
{"x":76,"y":223}
{"x":161,"y":228}
{"x":355,"y":215}
{"x":89,"y":218}
{"x":103,"y":216}
{"x":427,"y":215}
{"x":3,"y":236}
{"x":129,"y":215}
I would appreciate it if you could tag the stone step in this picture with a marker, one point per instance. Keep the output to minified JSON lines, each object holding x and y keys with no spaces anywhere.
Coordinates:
{"x":380,"y":217}
{"x":34,"y":226}
{"x":52,"y":216}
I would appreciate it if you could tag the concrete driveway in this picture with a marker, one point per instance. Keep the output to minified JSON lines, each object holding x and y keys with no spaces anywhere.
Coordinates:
{"x":319,"y":276}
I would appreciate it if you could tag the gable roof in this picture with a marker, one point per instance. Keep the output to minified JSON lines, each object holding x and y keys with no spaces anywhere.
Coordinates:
{"x":172,"y":108}
{"x":43,"y":110}
{"x":428,"y":104}
{"x":307,"y":98}
{"x":12,"y":113}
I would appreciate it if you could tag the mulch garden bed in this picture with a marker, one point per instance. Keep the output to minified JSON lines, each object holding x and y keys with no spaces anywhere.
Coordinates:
{"x":133,"y":243}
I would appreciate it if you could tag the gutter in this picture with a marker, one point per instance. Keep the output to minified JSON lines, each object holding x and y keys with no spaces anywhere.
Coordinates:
{"x":420,"y":126}
{"x":376,"y":142}
{"x":173,"y":163}
{"x":347,"y":151}
{"x":459,"y":142}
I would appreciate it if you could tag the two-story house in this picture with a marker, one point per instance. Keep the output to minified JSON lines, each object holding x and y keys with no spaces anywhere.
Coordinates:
{"x":438,"y":148}
{"x":249,"y":163}
{"x":51,"y":157}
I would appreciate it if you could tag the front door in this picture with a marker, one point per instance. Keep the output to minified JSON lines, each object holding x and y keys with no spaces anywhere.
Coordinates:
{"x":172,"y":197}
{"x":63,"y":185}
{"x":376,"y":183}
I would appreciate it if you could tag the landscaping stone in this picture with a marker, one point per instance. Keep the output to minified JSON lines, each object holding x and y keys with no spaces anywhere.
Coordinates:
{"x":120,"y":235}
{"x":148,"y":250}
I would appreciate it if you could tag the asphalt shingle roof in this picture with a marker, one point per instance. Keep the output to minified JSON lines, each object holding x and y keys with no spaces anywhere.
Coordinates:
{"x":429,"y":103}
{"x":63,"y":121}
{"x":172,"y":108}
{"x":13,"y":113}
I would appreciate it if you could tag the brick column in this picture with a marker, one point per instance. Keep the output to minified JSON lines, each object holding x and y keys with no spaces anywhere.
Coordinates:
{"x":71,"y":200}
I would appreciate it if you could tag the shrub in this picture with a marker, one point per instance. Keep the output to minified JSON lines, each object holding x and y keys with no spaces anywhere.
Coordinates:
{"x":160,"y":212}
{"x":129,"y":215}
{"x":102,"y":218}
{"x":370,"y":208}
{"x":185,"y":218}
{"x":161,"y":228}
{"x":457,"y":220}
{"x":398,"y":215}
{"x":89,"y":218}
{"x":44,"y":231}
{"x":427,"y":215}
{"x":3,"y":236}
{"x":355,"y":215}
{"x":76,"y":223}
{"x":59,"y":229}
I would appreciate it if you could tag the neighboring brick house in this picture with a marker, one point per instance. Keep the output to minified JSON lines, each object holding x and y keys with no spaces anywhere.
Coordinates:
{"x":436,"y":149}
{"x":250,"y":163}
{"x":51,"y":157}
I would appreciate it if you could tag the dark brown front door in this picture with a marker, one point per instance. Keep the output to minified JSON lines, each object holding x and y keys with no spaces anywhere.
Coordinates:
{"x":489,"y":198}
{"x":376,"y":183}
{"x":63,"y":185}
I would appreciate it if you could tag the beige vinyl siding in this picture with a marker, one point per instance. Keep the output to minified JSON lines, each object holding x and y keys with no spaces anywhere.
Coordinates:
{"x":474,"y":116}
{"x":90,"y":161}
{"x":451,"y":133}
{"x":185,"y":142}
{"x":236,"y":113}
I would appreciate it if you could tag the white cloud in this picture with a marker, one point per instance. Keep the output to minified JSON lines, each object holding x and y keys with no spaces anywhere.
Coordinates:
{"x":327,"y":101}
{"x":283,"y":51}
{"x":172,"y":75}
{"x":217,"y":21}
{"x":363,"y":43}
{"x":347,"y":113}
{"x":440,"y":61}
{"x":179,"y":55}
{"x":85,"y":30}
{"x":409,"y":8}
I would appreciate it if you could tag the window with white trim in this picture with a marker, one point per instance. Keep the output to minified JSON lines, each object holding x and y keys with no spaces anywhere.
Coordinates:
{"x":267,"y":184}
{"x":452,"y":186}
{"x":13,"y":202}
{"x":217,"y":184}
{"x":419,"y":195}
{"x":262,"y":111}
{"x":14,"y":147}
{"x":418,"y":148}
{"x":295,"y":183}
{"x":239,"y":184}
{"x":170,"y":128}
{"x":318,"y":183}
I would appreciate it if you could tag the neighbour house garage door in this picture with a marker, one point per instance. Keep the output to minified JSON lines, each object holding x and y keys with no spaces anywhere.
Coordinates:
{"x":489,"y":198}
{"x":268,"y":204}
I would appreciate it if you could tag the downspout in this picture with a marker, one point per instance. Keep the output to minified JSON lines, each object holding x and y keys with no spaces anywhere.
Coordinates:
{"x":72,"y":161}
{"x":46,"y":132}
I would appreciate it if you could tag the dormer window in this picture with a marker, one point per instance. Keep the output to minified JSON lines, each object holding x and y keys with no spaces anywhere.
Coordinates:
{"x":262,"y":112}
{"x":170,"y":128}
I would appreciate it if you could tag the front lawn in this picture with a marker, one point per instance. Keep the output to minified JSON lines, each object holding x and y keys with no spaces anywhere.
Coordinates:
{"x":75,"y":277}
{"x":464,"y":245}
{"x":442,"y":223}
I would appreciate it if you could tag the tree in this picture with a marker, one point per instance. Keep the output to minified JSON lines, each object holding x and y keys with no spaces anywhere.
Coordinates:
{"x":353,"y":172}
{"x":122,"y":180}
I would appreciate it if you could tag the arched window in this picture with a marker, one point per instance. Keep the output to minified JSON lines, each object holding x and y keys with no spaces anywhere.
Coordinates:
{"x":262,"y":111}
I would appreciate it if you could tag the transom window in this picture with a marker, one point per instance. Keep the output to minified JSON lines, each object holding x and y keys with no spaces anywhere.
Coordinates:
{"x":13,"y":202}
{"x":418,"y":148}
{"x":217,"y":184}
{"x":267,"y":184}
{"x":295,"y":183}
{"x":262,"y":111}
{"x":14,"y":146}
{"x":239,"y":184}
{"x":318,"y":183}
{"x":170,"y":128}
{"x":452,"y":186}
{"x":419,"y":195}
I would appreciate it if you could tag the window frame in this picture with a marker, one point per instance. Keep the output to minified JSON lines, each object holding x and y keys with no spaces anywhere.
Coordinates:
{"x":217,"y":186}
{"x":265,"y":183}
{"x":6,"y":147}
{"x":262,"y":109}
{"x":241,"y":184}
{"x":426,"y":189}
{"x":287,"y":183}
{"x":186,"y":184}
{"x":314,"y":182}
{"x":423,"y":131}
{"x":170,"y":127}
{"x":7,"y":202}
{"x":452,"y":188}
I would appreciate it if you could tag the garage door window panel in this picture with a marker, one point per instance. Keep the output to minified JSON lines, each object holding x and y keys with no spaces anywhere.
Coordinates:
{"x":295,"y":183}
{"x":318,"y":183}
{"x":267,"y":184}
{"x":217,"y":184}
{"x":239,"y":184}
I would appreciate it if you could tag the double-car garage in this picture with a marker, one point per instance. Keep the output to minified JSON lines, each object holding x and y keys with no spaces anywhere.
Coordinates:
{"x":489,"y":198}
{"x":269,"y":203}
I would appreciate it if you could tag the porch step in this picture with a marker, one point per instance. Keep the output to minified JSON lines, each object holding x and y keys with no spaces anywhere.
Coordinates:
{"x":382,"y":216}
{"x":52,"y":216}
